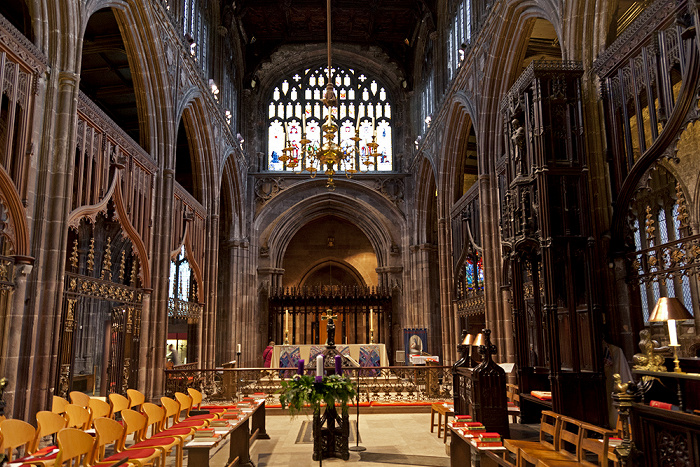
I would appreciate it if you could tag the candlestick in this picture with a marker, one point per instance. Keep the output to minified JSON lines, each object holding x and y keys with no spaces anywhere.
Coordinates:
{"x":238,"y":348}
{"x":319,"y":366}
{"x":672,"y":332}
{"x":338,"y":365}
{"x":300,"y":367}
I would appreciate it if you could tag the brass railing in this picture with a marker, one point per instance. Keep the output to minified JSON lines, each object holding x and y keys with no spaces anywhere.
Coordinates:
{"x":376,"y":384}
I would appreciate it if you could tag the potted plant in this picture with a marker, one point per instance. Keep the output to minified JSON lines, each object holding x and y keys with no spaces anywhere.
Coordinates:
{"x":303,"y":390}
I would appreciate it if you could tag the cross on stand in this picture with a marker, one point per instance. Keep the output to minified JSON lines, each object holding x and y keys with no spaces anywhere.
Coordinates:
{"x":330,"y":327}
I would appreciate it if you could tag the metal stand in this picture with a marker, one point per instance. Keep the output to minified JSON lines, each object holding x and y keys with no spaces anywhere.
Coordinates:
{"x":357,"y":447}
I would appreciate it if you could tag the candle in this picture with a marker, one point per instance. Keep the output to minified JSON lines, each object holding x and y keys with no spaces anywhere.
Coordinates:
{"x":359,"y":116}
{"x":338,"y":365}
{"x":371,"y":320}
{"x":303,"y":123}
{"x":300,"y":367}
{"x":319,"y":367}
{"x":238,"y":348}
{"x":672,"y":334}
{"x":286,"y":320}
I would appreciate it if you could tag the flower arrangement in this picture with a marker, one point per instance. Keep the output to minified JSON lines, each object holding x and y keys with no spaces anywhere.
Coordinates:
{"x":305,"y":390}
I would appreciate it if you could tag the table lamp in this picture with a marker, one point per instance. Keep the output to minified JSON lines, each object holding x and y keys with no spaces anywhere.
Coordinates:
{"x":478,"y":341}
{"x":670,"y":309}
{"x":464,"y":349}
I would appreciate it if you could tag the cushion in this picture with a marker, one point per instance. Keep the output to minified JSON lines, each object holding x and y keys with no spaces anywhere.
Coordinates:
{"x":174,"y":432}
{"x":208,"y":416}
{"x":191,"y":423}
{"x":132,"y":454}
{"x":153,"y":442}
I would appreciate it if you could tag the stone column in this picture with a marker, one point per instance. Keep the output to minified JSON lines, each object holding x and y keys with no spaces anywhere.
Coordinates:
{"x":155,"y":327}
{"x":38,"y":366}
{"x":15,"y":319}
{"x":449,"y":334}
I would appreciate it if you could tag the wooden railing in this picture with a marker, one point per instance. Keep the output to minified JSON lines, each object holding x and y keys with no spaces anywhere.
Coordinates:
{"x":376,"y":384}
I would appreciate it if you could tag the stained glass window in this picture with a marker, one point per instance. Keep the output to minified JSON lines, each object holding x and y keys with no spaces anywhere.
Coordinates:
{"x":295,"y":107}
{"x":180,"y":277}
{"x":458,"y":36}
{"x":473,"y":274}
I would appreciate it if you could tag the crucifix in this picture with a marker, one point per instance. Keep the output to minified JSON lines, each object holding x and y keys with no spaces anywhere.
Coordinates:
{"x":330,"y":327}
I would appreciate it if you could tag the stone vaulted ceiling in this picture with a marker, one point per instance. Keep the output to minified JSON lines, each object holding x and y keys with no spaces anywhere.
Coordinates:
{"x":392,"y":25}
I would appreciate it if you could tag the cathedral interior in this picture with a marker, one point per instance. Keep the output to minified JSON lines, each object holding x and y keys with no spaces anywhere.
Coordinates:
{"x":524,"y":166}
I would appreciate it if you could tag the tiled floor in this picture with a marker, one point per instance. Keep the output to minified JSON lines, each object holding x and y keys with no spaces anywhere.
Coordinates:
{"x":390,"y":439}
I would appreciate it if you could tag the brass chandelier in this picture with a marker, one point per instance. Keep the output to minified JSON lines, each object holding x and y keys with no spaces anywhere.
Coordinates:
{"x":329,"y":155}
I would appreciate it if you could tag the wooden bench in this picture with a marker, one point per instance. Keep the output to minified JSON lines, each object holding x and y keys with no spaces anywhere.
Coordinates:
{"x":513,"y":398}
{"x":564,"y":442}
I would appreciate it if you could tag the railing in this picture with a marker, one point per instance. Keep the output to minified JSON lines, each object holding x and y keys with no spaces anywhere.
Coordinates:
{"x":376,"y":384}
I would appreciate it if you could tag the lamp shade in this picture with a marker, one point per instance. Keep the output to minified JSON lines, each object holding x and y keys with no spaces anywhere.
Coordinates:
{"x":479,"y":340}
{"x":468,"y":339}
{"x":668,"y":308}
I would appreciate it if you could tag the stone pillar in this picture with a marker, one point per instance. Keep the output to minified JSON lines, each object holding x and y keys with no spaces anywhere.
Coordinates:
{"x":15,"y":319}
{"x":449,"y":334}
{"x":155,"y":326}
{"x":38,"y":366}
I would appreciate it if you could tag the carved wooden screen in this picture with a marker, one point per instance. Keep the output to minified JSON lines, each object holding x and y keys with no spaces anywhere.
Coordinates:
{"x":546,"y":236}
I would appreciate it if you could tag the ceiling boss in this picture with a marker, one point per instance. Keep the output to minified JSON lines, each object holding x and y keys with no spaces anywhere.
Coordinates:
{"x":330,"y":156}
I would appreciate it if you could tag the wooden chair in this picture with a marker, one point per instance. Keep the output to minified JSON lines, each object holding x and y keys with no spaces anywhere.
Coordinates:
{"x":168,"y":442}
{"x":59,"y":405}
{"x":118,"y":403}
{"x":186,"y":405}
{"x":17,"y":434}
{"x":78,"y":417}
{"x":100,"y":408}
{"x":79,"y":398}
{"x":48,"y":423}
{"x":549,"y":437}
{"x":513,"y":398}
{"x":155,"y":413}
{"x":135,"y":424}
{"x":569,"y":452}
{"x":136,"y":398}
{"x":75,"y":448}
{"x":172,"y":409}
{"x":110,"y":431}
{"x":595,"y":441}
{"x":196,"y":398}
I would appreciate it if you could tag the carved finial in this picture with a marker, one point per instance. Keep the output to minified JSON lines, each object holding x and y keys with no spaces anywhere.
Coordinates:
{"x":122,"y":266}
{"x":650,"y":229}
{"x":107,"y":262}
{"x":682,"y":207}
{"x":74,"y":256}
{"x":134,"y":272}
{"x":91,"y":255}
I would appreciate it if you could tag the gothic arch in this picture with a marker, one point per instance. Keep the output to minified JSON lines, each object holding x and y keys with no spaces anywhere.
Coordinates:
{"x":347,"y":267}
{"x":285,"y":215}
{"x":425,"y":189}
{"x":144,"y":62}
{"x":203,"y":156}
{"x":115,"y":193}
{"x":231,"y":196}
{"x":457,"y":126}
{"x":15,"y":228}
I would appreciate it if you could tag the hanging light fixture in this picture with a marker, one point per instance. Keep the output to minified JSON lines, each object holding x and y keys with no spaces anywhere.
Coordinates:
{"x":328,"y":155}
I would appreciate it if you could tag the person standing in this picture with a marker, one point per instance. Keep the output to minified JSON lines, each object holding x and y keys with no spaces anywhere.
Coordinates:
{"x":172,"y":356}
{"x":267,"y":354}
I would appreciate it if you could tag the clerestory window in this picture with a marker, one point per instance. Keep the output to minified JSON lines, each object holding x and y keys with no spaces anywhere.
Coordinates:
{"x":295,"y":107}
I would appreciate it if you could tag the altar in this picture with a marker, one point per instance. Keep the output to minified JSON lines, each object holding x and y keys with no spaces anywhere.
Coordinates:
{"x":367,"y":355}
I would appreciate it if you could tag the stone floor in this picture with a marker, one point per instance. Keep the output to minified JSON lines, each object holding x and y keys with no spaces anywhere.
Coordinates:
{"x":390,"y":439}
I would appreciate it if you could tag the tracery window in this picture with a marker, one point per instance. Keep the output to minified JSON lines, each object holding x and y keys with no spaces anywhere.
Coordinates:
{"x":295,"y":107}
{"x":662,"y":238}
{"x":471,"y":278}
{"x":195,"y":27}
{"x":180,"y":277}
{"x":458,"y":37}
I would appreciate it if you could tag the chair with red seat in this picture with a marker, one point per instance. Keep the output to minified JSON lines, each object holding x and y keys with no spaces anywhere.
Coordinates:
{"x":79,"y":398}
{"x":172,"y":409}
{"x":197,"y":402}
{"x":112,"y":432}
{"x":118,"y":403}
{"x":136,"y":398}
{"x":186,"y":405}
{"x":168,"y":441}
{"x":17,"y":434}
{"x":75,"y":447}
{"x":78,"y":417}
